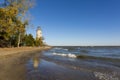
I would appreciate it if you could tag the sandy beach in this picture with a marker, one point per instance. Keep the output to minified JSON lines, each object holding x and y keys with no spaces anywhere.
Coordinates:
{"x":13,"y":60}
{"x":30,"y":63}
{"x":11,"y":51}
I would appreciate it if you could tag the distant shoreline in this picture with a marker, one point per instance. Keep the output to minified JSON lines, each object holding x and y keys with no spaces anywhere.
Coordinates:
{"x":11,"y":51}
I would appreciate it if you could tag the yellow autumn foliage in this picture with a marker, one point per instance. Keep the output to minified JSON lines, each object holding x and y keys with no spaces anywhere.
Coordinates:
{"x":11,"y":19}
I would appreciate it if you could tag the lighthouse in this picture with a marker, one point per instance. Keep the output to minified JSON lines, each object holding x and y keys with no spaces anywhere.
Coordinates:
{"x":38,"y":33}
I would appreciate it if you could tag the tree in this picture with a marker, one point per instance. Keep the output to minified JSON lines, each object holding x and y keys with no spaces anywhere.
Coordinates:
{"x":7,"y":23}
{"x":39,"y":42}
{"x":23,"y":6}
{"x":29,"y":40}
{"x":12,"y":20}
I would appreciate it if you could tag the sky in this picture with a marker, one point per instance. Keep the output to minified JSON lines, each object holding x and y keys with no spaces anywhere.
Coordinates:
{"x":77,"y":22}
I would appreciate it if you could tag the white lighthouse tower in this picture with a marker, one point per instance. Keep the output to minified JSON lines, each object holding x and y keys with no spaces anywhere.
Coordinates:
{"x":38,"y":33}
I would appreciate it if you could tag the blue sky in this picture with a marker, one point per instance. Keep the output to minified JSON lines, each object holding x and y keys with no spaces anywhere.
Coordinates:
{"x":77,"y":22}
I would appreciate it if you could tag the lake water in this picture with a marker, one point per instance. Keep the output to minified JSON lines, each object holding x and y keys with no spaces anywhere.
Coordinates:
{"x":64,"y":63}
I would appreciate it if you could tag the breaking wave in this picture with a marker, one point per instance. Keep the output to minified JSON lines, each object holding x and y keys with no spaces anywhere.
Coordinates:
{"x":85,"y":56}
{"x":66,"y":55}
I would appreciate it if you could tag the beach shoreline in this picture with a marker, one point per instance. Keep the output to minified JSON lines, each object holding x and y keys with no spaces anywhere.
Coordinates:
{"x":40,"y":63}
{"x":4,"y":52}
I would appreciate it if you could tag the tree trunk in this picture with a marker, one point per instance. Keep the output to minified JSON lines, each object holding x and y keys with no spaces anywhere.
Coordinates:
{"x":18,"y":43}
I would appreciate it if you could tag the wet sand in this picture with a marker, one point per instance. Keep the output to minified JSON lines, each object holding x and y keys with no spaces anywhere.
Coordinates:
{"x":33,"y":67}
{"x":51,"y":71}
{"x":13,"y":65}
{"x":13,"y":60}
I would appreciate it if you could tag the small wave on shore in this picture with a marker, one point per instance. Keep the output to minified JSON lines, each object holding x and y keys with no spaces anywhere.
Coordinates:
{"x":84,"y":51}
{"x":61,"y":49}
{"x":97,"y":58}
{"x":87,"y":53}
{"x":66,"y":55}
{"x":70,"y":55}
{"x":106,"y":76}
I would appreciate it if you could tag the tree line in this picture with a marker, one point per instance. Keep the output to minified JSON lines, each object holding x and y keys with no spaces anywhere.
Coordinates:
{"x":13,"y":23}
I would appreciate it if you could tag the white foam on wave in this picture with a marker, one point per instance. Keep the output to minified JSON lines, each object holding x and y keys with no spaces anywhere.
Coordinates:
{"x":57,"y":48}
{"x":106,"y":76}
{"x":65,"y":49}
{"x":66,"y":55}
{"x":61,"y":49}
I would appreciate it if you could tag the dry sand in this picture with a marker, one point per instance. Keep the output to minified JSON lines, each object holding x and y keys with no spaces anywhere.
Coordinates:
{"x":11,"y":51}
{"x":13,"y":60}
